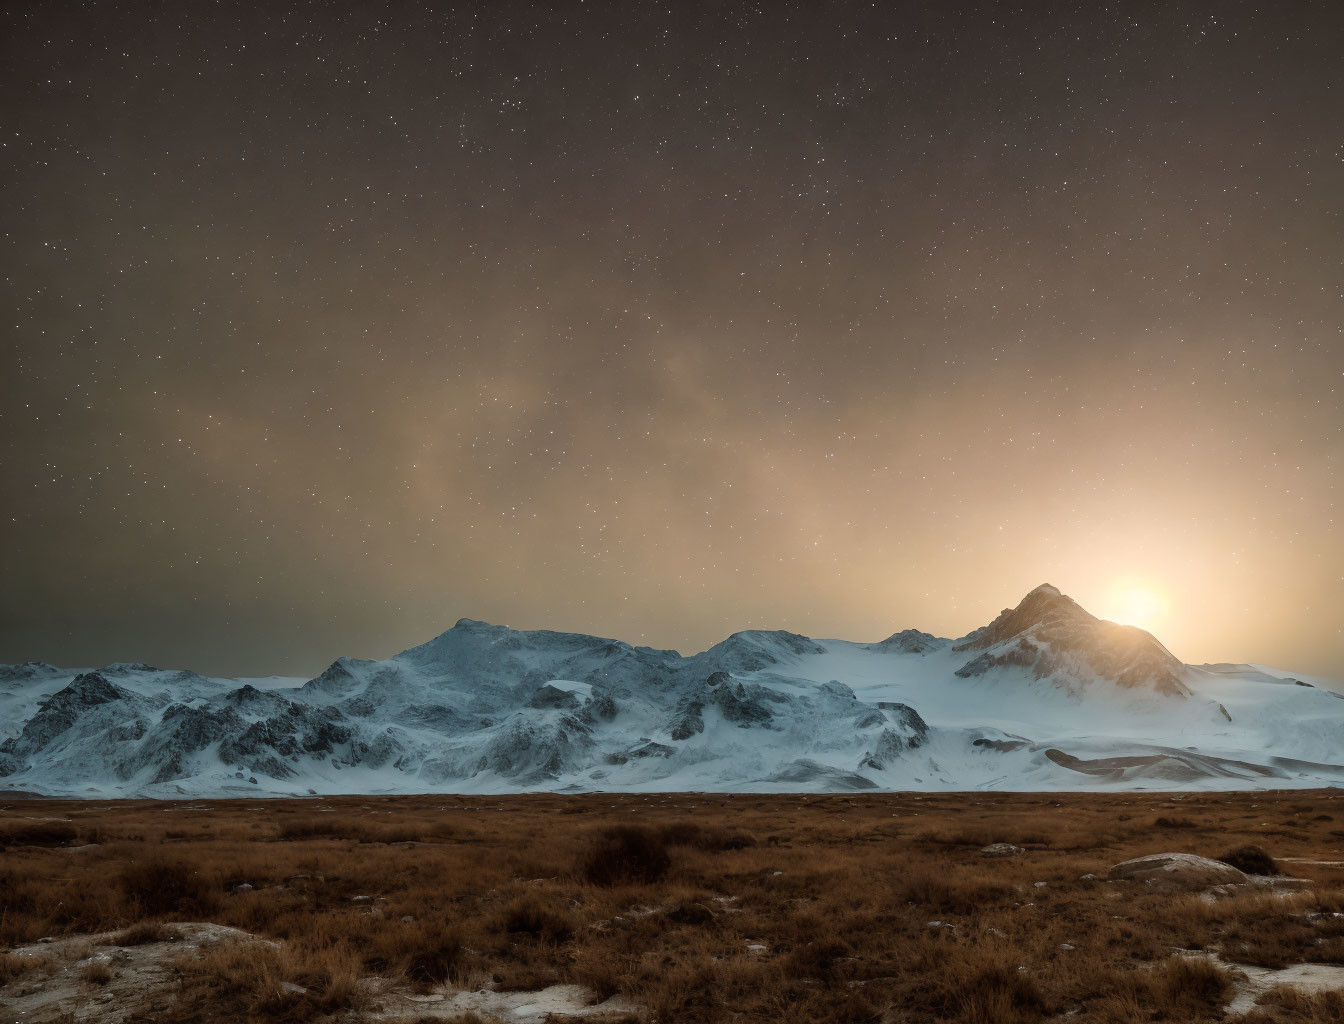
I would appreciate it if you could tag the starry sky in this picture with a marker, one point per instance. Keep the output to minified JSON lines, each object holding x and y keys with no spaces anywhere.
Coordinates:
{"x":328,"y":325}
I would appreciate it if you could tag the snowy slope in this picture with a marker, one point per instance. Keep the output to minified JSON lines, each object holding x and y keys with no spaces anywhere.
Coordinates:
{"x":1044,"y":697}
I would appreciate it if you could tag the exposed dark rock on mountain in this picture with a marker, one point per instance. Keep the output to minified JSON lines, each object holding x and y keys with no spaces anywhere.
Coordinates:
{"x":1049,"y":634}
{"x":808,"y":774}
{"x":549,"y":696}
{"x":645,"y":748}
{"x":78,"y":702}
{"x":27,"y":672}
{"x":912,"y":641}
{"x":1045,"y":695}
{"x":906,"y":731}
{"x":754,"y":649}
{"x":536,"y":746}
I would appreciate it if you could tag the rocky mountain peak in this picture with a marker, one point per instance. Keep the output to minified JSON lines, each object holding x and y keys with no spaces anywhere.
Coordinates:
{"x":466,"y":623}
{"x":1050,"y":634}
{"x":1044,"y":606}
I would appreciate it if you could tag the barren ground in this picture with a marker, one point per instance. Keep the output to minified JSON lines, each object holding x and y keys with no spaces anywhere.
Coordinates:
{"x":706,"y":908}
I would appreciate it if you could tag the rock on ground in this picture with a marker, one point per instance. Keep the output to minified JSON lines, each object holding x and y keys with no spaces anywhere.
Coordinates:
{"x":1181,"y":869}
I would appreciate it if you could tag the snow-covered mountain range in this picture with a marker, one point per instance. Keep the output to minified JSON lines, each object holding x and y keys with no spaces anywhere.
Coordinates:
{"x":1044,"y":697}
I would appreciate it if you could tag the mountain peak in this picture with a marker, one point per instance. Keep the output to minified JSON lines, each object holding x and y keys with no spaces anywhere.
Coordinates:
{"x":1049,"y":629}
{"x":466,"y":623}
{"x":1042,"y":606}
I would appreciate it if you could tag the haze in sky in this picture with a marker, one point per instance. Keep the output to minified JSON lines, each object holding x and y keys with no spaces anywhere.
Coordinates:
{"x":327,"y":328}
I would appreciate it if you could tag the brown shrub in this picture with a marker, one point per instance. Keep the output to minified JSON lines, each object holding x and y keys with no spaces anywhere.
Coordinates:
{"x":855,"y":1007}
{"x":15,"y":892}
{"x":436,"y":956}
{"x":1000,"y":994}
{"x":142,"y":933}
{"x":318,"y":827}
{"x":36,"y":832}
{"x":239,"y":982}
{"x":525,"y":976}
{"x":258,"y":981}
{"x":626,"y":853}
{"x":158,"y":887}
{"x":691,"y":913}
{"x":530,"y":916}
{"x":1192,"y":983}
{"x":820,"y":959}
{"x":1311,"y":1007}
{"x":399,"y":833}
{"x":334,"y":826}
{"x":1174,"y":823}
{"x":97,"y":973}
{"x":680,"y":992}
{"x":426,"y":951}
{"x":734,"y":841}
{"x":693,"y":834}
{"x":1252,"y":860}
{"x":681,"y":833}
{"x":13,"y":966}
{"x":601,"y":970}
{"x":951,"y":891}
{"x":332,"y":978}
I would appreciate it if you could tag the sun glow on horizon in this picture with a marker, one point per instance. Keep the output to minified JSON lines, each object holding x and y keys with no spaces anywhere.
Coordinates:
{"x":1132,"y":603}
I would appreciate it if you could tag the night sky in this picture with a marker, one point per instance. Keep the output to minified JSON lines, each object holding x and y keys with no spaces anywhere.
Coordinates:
{"x":330,"y":325}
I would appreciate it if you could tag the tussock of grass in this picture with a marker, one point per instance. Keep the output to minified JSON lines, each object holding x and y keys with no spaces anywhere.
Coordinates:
{"x":262,"y":981}
{"x":431,"y":953}
{"x":951,"y":889}
{"x":626,"y":853}
{"x":159,"y":887}
{"x":1309,"y":1008}
{"x":530,"y":916}
{"x":97,"y":974}
{"x":997,"y":992}
{"x":700,"y":837}
{"x":13,"y":967}
{"x":1194,"y":985}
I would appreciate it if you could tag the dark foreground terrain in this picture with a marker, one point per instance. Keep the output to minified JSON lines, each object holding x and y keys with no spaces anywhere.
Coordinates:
{"x":680,"y":907}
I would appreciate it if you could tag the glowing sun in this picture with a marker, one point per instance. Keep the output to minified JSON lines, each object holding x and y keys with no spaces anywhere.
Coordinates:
{"x":1135,"y":604}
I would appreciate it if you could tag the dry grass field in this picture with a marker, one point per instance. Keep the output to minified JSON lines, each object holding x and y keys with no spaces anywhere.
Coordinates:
{"x":688,"y":907}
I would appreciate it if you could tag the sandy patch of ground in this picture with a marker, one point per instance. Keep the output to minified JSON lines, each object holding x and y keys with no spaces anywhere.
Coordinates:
{"x":562,"y":1001}
{"x":141,"y":980}
{"x":1254,"y":982}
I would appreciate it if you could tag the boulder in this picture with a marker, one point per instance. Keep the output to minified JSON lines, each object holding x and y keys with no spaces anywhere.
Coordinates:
{"x":549,"y":696}
{"x":1001,"y":850}
{"x":1181,"y":869}
{"x":1280,"y":882}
